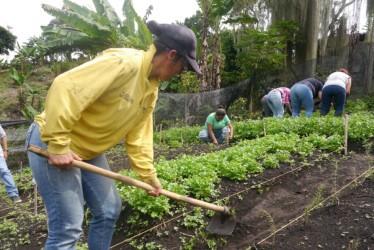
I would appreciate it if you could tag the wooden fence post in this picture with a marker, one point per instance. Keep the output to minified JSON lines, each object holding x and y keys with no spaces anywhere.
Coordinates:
{"x":35,"y":199}
{"x":346,"y":135}
{"x":160,"y":133}
{"x":263,"y":124}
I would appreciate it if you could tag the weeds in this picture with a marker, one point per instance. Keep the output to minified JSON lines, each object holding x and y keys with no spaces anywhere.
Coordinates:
{"x":354,"y":244}
{"x":315,"y":204}
{"x":368,"y":149}
{"x":335,"y":198}
{"x":270,"y":219}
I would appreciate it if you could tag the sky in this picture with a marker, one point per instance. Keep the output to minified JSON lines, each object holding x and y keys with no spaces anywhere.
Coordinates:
{"x":26,"y":16}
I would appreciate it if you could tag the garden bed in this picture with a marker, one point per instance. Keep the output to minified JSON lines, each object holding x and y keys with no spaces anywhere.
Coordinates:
{"x":284,"y":194}
{"x":282,"y":199}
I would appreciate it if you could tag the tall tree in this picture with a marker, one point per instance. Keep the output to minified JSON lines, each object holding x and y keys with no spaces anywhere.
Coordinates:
{"x":290,"y":31}
{"x":368,"y":80}
{"x":205,"y":6}
{"x":195,"y":21}
{"x":307,"y":49}
{"x":7,"y":41}
{"x":220,"y":8}
{"x":260,"y":53}
{"x":212,"y":10}
{"x":330,"y":12}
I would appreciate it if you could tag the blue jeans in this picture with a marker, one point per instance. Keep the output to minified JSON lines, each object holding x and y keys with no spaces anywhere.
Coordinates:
{"x":301,"y":95}
{"x":275,"y":103}
{"x":336,"y":92}
{"x":7,"y":178}
{"x":219,"y":134}
{"x":64,"y":192}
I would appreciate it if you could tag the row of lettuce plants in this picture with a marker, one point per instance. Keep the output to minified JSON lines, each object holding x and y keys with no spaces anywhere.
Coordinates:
{"x":200,"y":176}
{"x":361,"y":126}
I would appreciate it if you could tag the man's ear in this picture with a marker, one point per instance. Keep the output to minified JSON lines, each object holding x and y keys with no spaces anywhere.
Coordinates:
{"x":172,"y":54}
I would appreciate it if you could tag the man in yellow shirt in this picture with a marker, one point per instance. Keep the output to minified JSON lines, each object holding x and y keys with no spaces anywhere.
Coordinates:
{"x":90,"y":109}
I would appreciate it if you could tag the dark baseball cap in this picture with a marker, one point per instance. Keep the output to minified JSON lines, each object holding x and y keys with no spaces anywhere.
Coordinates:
{"x":177,"y":37}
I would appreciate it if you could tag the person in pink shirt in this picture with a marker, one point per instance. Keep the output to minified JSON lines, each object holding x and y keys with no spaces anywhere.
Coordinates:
{"x":277,"y":98}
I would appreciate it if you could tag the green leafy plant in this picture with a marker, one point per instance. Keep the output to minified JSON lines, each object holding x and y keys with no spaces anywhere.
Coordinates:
{"x":20,"y":79}
{"x":194,"y":220}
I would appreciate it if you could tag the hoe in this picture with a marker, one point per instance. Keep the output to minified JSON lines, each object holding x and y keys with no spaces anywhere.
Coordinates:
{"x":222,"y":222}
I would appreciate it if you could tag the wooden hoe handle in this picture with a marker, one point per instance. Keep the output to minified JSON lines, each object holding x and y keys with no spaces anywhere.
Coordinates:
{"x":133,"y":182}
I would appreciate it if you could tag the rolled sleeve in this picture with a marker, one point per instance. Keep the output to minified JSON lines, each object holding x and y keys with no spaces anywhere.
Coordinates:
{"x":139,"y":147}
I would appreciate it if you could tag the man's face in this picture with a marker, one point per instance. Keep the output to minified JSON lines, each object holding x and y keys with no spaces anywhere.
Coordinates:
{"x":174,"y":65}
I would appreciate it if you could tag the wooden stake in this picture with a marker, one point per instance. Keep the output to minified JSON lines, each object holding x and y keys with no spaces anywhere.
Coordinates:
{"x":182,"y":138}
{"x":160,"y":133}
{"x":20,"y":177}
{"x":263,"y":124}
{"x":46,"y":216}
{"x":346,"y":135}
{"x":35,"y":199}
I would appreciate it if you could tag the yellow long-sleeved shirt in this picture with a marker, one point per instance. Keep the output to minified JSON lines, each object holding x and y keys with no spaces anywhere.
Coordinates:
{"x":91,"y":108}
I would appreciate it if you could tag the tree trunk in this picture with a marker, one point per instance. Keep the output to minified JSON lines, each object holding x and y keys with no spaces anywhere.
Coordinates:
{"x":250,"y":93}
{"x":353,"y":40}
{"x":214,"y":80}
{"x":326,"y":25}
{"x":311,"y":44}
{"x":203,"y":59}
{"x":369,"y":65}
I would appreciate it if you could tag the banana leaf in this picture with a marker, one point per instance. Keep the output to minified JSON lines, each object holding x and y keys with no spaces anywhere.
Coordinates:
{"x":128,"y":13}
{"x":221,"y":8}
{"x":84,"y":24}
{"x":84,"y":11}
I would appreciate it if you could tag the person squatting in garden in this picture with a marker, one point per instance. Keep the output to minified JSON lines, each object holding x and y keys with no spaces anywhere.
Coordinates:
{"x":5,"y":174}
{"x":337,"y":90}
{"x":304,"y":93}
{"x":277,"y":98}
{"x":90,"y":109}
{"x":217,"y":127}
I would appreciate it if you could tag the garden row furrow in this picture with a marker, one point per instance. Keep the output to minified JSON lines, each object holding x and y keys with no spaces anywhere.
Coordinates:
{"x":199,"y":176}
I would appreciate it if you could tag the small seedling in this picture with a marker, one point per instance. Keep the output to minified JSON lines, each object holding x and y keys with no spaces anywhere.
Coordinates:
{"x":315,"y":204}
{"x":272,"y":229}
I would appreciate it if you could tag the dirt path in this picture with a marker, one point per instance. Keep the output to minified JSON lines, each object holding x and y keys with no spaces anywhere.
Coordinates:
{"x":287,"y":198}
{"x":348,"y":225}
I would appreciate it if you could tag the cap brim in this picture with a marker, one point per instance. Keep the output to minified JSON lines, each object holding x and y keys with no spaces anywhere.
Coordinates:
{"x":193,"y":65}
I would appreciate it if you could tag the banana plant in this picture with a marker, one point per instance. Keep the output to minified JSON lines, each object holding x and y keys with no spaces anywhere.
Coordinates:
{"x":214,"y":11}
{"x":34,"y":92}
{"x":20,"y":79}
{"x":95,"y":31}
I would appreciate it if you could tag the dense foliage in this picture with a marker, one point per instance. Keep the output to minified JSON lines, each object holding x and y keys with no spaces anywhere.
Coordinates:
{"x":7,"y":41}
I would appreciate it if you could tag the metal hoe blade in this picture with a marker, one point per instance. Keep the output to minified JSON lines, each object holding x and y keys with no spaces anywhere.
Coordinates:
{"x":222,"y":223}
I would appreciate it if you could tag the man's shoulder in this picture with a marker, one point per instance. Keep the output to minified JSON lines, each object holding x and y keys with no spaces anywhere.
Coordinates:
{"x":126,"y":53}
